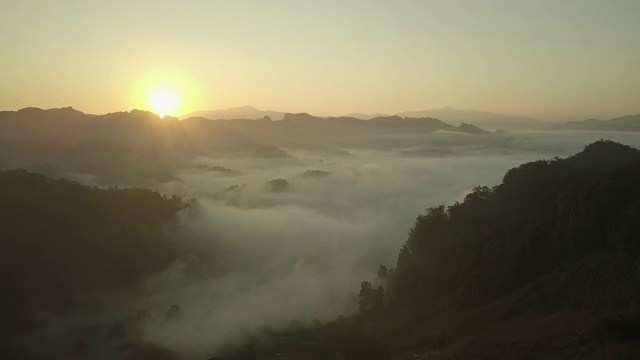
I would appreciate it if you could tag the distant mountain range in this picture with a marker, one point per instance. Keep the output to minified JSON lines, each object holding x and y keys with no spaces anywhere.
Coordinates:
{"x":424,"y":124}
{"x":623,"y":123}
{"x":123,"y":146}
{"x":129,"y":146}
{"x":332,"y":135}
{"x":484,"y":119}
{"x":240,"y":112}
{"x":126,"y":146}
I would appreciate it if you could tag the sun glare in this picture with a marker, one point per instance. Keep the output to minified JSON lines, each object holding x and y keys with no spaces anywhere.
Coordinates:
{"x":164,"y":101}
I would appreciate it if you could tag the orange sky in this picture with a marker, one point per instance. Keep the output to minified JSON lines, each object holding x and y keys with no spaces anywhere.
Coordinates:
{"x":541,"y":58}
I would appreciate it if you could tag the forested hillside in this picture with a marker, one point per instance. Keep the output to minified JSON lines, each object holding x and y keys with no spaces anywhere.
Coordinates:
{"x":544,"y":265}
{"x":62,"y":242}
{"x":543,"y":214}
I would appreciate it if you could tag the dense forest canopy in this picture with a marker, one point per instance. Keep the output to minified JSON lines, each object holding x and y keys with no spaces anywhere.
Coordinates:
{"x":543,"y":214}
{"x":62,"y":241}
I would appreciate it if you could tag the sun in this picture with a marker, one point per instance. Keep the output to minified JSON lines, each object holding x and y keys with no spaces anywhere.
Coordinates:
{"x":163,"y":100}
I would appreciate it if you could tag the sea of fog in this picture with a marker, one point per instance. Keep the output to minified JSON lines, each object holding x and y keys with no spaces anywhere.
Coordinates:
{"x":295,"y":253}
{"x":265,"y":255}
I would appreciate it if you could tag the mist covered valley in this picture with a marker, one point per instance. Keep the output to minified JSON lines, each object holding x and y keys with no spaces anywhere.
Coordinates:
{"x":263,"y":225}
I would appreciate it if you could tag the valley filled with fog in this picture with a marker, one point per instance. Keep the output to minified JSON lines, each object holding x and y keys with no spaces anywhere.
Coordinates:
{"x":319,"y":180}
{"x":247,"y":226}
{"x":296,"y":250}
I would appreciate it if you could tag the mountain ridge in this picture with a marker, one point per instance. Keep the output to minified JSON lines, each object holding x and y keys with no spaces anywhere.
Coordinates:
{"x":621,"y":123}
{"x":480,"y":118}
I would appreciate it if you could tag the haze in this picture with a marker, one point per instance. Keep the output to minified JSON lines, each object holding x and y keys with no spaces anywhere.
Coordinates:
{"x":313,"y":180}
{"x":545,"y":59}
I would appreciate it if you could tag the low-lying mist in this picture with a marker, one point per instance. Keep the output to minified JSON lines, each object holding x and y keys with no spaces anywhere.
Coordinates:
{"x":272,"y":242}
{"x":267,"y":253}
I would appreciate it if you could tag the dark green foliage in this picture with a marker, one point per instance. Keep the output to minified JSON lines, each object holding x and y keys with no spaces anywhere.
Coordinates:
{"x":604,"y":155}
{"x":370,"y":298}
{"x":383,"y":272}
{"x":62,"y":241}
{"x":543,"y":214}
{"x":366,"y":298}
{"x":277,"y":185}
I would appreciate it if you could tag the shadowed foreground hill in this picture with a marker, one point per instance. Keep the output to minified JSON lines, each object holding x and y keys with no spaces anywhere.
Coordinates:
{"x":545,"y":265}
{"x":62,"y":242}
{"x":543,"y":214}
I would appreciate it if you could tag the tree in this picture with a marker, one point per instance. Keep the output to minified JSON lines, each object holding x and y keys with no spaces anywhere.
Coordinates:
{"x":378,"y":301}
{"x":366,"y":298}
{"x":383,"y":272}
{"x":370,"y":298}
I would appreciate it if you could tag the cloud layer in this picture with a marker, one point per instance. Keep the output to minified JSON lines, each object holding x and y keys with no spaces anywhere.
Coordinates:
{"x":273,"y":257}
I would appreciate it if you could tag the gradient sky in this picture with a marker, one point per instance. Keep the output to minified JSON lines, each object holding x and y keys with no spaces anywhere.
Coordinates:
{"x":542,"y":58}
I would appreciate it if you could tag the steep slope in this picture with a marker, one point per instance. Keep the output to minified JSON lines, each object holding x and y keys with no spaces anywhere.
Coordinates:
{"x":63,"y":243}
{"x":543,"y":213}
{"x":544,"y":265}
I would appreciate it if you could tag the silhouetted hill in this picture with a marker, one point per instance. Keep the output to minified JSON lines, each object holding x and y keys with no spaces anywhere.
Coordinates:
{"x":483,"y":119}
{"x":277,"y":185}
{"x":623,"y":123}
{"x":303,"y":131}
{"x":385,"y":119}
{"x":394,"y":124}
{"x":241,"y":112}
{"x":122,"y":147}
{"x":62,"y":243}
{"x":364,"y":116}
{"x":138,"y":147}
{"x":300,"y":117}
{"x":572,"y":216}
{"x":628,"y":120}
{"x":37,"y":114}
{"x":605,"y":155}
{"x":471,"y":129}
{"x":543,"y":208}
{"x":38,"y":124}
